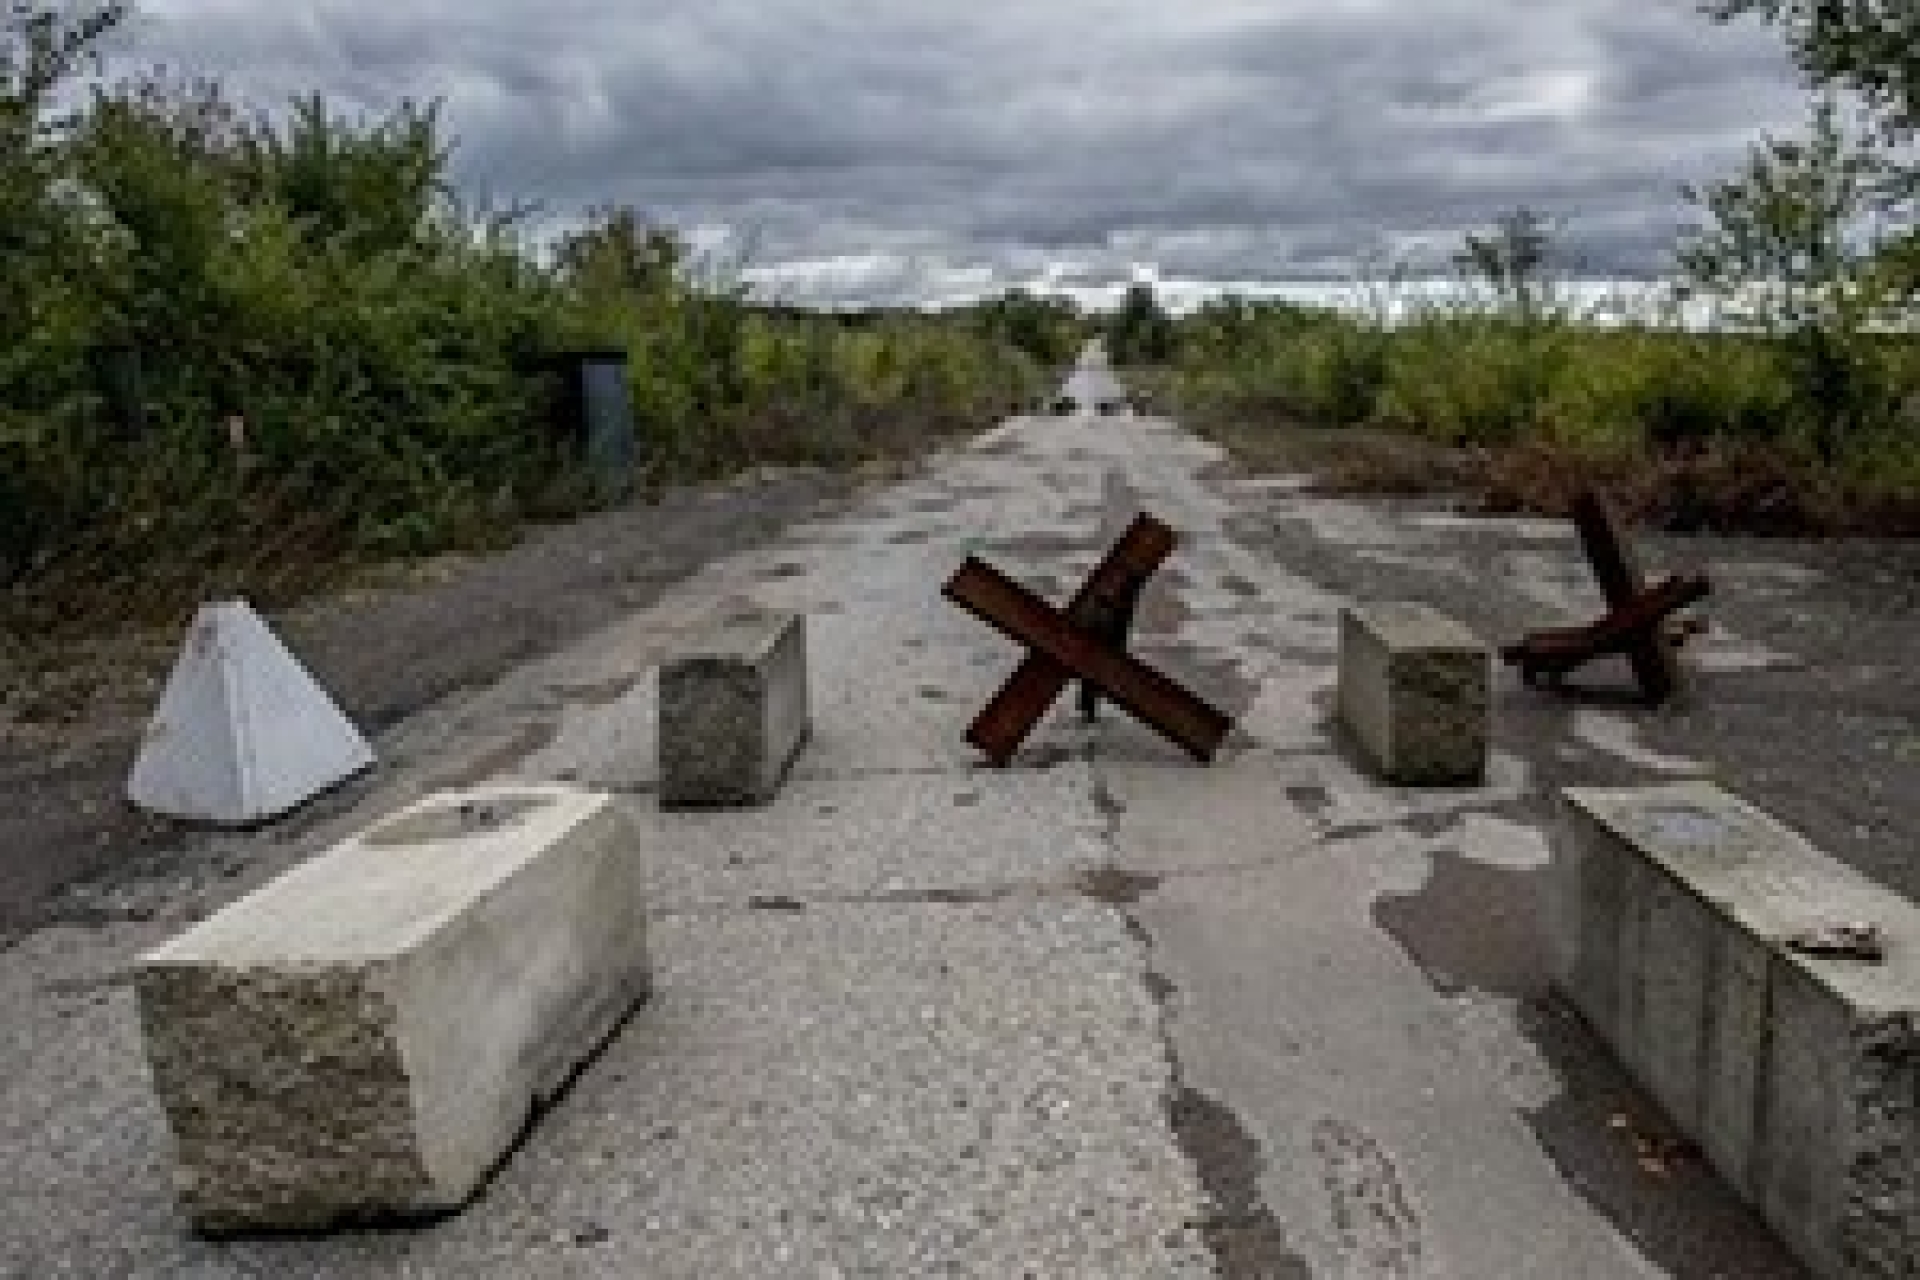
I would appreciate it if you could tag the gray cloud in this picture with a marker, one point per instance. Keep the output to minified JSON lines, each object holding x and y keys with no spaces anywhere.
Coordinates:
{"x":932,"y":141}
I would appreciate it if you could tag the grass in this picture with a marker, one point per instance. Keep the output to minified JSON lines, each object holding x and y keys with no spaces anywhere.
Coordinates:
{"x":1688,"y":430}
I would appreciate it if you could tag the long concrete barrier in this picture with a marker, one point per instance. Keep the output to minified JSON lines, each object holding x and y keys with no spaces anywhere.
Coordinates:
{"x":365,"y":1036}
{"x":1766,"y":995}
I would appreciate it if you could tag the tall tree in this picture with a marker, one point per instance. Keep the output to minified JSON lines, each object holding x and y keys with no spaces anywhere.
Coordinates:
{"x":1793,"y":243}
{"x":43,"y":49}
{"x":1141,"y":331}
{"x":1867,"y":47}
{"x":1512,"y":259}
{"x":1870,"y":51}
{"x":620,"y":251}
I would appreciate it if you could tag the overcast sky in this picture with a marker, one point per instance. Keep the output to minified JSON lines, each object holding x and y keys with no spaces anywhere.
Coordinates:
{"x":908,"y":149}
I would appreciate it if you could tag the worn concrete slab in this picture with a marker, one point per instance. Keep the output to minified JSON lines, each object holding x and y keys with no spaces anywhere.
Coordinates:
{"x":954,"y":836}
{"x":839,"y":1090}
{"x":1389,"y":1147}
{"x":1287,"y":1010}
{"x":1165,"y":823}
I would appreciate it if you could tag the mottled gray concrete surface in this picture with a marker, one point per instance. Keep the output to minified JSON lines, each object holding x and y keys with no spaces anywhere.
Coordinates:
{"x":1104,"y":1014}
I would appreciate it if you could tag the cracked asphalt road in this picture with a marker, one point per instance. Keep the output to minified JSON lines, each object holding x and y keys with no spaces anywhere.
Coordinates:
{"x":1105,"y":1013}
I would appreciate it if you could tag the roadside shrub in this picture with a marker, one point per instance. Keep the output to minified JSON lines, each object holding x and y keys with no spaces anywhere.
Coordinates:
{"x":245,"y":352}
{"x":1621,"y":391}
{"x":1464,"y":378}
{"x":1343,"y":367}
{"x":1319,"y":365}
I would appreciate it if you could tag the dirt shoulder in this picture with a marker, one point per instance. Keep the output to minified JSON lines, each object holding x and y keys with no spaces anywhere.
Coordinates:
{"x":385,"y":650}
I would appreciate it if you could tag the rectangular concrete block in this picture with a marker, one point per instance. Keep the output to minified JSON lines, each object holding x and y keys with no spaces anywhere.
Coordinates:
{"x":1413,"y":691}
{"x":1675,"y":911}
{"x":365,"y":1037}
{"x":733,"y":713}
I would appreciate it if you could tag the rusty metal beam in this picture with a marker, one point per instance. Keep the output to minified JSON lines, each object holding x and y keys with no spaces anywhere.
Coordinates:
{"x":1636,"y":623}
{"x":1073,"y":651}
{"x":1011,"y":714}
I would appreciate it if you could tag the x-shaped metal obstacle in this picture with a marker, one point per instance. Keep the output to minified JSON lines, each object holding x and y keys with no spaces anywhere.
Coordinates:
{"x":1637,"y":622}
{"x":1086,"y":641}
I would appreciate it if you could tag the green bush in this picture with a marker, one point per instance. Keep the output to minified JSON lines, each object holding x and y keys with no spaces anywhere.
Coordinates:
{"x":1320,"y":365}
{"x":1624,"y":390}
{"x":1496,"y":378}
{"x":1465,"y":378}
{"x":336,"y":360}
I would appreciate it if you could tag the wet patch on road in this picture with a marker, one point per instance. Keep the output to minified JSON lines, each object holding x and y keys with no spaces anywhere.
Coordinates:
{"x":1614,"y":1146}
{"x":1471,"y":926}
{"x":1247,"y":1241}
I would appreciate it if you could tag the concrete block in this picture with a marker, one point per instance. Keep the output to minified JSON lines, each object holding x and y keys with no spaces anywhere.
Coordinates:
{"x":1413,"y":691}
{"x":733,"y":713}
{"x":364,"y":1037}
{"x":1676,"y":912}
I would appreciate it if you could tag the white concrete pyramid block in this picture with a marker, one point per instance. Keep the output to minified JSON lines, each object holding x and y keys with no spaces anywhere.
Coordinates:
{"x":242,"y":732}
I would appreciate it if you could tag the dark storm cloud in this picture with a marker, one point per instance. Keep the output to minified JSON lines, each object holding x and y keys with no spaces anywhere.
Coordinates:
{"x":1218,"y":139}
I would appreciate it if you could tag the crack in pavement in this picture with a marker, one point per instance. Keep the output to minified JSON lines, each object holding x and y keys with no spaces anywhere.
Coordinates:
{"x":1246,"y":1239}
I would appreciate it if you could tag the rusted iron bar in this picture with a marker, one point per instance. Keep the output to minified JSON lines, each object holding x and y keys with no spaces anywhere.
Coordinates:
{"x":1011,"y":714}
{"x":1121,"y":678}
{"x":1638,"y":623}
{"x":1115,"y":626}
{"x":1080,"y":642}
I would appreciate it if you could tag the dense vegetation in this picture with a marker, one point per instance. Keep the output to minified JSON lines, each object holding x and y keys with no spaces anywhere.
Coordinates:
{"x":1800,"y":408}
{"x":1546,"y":400}
{"x":239,"y":349}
